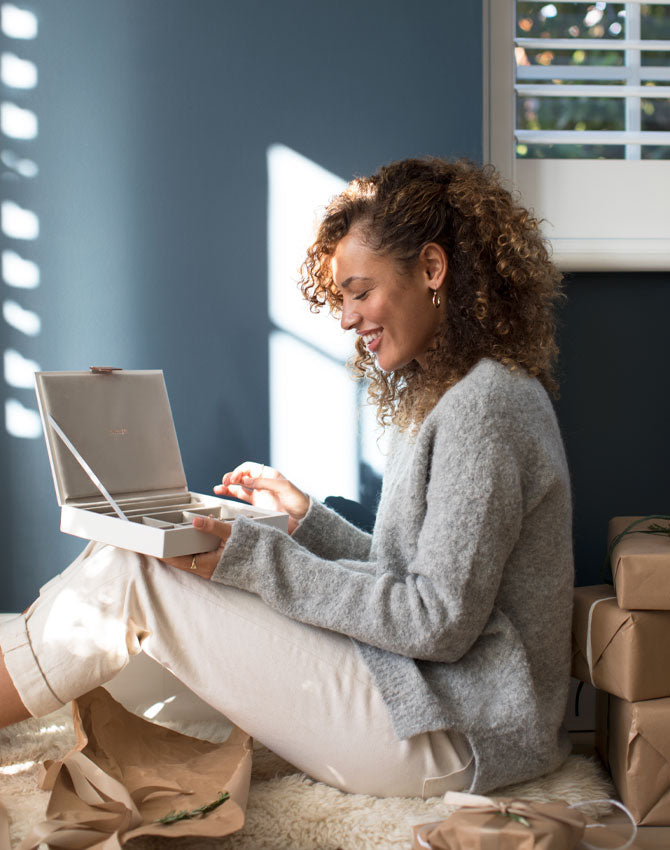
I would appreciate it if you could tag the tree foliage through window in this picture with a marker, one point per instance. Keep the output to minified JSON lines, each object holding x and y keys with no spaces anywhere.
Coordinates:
{"x":580,"y":65}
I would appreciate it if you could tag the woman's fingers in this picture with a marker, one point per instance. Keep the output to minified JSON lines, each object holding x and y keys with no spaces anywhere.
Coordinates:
{"x":213,"y":526}
{"x":233,"y":484}
{"x":202,"y":565}
{"x":230,"y":485}
{"x":205,"y":563}
{"x":252,"y":469}
{"x":275,"y":485}
{"x":234,"y":490}
{"x":292,"y":500}
{"x":264,"y":487}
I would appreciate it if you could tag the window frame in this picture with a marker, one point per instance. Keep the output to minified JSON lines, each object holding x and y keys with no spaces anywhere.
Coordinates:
{"x":599,"y":215}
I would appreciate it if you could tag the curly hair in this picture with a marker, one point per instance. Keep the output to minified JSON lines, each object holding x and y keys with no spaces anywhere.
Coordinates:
{"x":501,"y":286}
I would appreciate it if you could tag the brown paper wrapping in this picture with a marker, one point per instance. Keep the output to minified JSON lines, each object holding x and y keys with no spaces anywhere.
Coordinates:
{"x":630,"y":650}
{"x":4,"y":828}
{"x":601,"y":735}
{"x":124,"y":773}
{"x":488,"y":826}
{"x":636,"y":738}
{"x":640,"y":566}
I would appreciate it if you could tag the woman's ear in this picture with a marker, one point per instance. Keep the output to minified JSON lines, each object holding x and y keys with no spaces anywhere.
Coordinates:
{"x":434,"y":264}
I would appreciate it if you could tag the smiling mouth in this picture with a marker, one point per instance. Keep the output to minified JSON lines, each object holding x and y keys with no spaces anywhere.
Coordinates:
{"x":371,"y":337}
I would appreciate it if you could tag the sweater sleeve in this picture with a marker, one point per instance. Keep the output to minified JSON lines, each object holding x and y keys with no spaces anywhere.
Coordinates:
{"x":328,"y":535}
{"x":438,"y":604}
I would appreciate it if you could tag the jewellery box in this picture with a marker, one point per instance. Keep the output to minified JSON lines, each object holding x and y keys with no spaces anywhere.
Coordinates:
{"x":117,"y":467}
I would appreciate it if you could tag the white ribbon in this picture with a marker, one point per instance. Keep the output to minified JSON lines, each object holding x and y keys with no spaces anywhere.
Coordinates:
{"x":619,"y":805}
{"x":589,"y":650}
{"x":421,"y":841}
{"x":87,"y":469}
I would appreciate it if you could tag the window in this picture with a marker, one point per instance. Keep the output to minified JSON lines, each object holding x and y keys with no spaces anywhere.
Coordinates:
{"x":577,"y":117}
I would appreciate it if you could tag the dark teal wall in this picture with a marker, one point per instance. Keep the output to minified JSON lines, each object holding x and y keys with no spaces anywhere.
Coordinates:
{"x":155,"y":118}
{"x":615,"y":407}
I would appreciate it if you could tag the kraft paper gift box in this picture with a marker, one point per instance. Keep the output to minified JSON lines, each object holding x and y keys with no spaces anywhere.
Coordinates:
{"x":501,"y":823}
{"x":640,"y":565}
{"x":626,"y":653}
{"x":117,"y":467}
{"x":633,"y":738}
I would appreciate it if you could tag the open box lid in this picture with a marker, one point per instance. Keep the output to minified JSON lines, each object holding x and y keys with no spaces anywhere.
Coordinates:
{"x":120,"y":423}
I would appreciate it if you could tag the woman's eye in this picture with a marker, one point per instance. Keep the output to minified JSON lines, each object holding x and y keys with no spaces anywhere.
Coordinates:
{"x":361,"y":296}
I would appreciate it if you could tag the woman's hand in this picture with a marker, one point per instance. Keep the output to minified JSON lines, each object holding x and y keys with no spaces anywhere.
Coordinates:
{"x":258,"y":485}
{"x":264,"y":487}
{"x":205,"y":563}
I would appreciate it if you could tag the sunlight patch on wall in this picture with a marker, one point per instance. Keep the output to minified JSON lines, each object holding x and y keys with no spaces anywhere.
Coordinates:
{"x":299,"y":189}
{"x":17,"y":221}
{"x":18,"y":73}
{"x":18,"y":23}
{"x":16,"y":122}
{"x":19,"y":370}
{"x":19,"y":272}
{"x":25,"y":321}
{"x":312,"y":398}
{"x":319,"y":431}
{"x":313,"y":419}
{"x":21,"y":166}
{"x":22,"y":421}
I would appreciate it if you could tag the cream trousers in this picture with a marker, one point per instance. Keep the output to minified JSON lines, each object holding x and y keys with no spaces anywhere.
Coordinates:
{"x":302,"y":691}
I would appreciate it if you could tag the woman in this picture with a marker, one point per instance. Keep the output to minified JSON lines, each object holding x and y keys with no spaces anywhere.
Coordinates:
{"x":433,"y":654}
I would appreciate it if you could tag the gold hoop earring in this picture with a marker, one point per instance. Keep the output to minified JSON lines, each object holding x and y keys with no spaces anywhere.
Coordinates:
{"x":436,"y":299}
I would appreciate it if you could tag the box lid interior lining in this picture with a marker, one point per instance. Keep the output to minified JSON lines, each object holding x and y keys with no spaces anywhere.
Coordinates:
{"x":121,"y":424}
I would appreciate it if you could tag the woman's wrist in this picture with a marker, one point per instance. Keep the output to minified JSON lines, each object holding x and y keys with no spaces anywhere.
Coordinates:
{"x":298,"y":512}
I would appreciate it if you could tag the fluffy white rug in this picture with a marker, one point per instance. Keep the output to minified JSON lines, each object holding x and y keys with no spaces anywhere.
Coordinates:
{"x":286,"y":810}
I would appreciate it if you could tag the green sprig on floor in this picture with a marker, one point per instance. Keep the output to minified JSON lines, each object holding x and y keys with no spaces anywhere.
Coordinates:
{"x":201,"y":811}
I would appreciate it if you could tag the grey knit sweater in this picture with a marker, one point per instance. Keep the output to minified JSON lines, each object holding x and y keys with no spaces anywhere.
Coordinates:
{"x":460,"y":600}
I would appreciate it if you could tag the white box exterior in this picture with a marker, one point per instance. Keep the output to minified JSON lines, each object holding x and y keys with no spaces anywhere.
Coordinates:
{"x":113,"y":431}
{"x":161,"y":543}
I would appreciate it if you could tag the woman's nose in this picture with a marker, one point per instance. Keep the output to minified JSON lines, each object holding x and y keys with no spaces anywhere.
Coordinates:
{"x":350,"y":318}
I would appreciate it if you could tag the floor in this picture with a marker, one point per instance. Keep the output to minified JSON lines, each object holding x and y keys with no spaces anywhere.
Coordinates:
{"x":172,"y":700}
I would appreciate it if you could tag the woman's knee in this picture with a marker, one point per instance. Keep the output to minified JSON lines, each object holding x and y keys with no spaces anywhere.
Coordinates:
{"x":94,"y":606}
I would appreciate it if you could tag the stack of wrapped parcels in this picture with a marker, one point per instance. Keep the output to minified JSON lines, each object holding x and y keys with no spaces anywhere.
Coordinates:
{"x":621,"y":645}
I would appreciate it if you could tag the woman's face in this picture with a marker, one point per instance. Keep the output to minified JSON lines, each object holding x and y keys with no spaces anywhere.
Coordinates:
{"x":391,"y":310}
